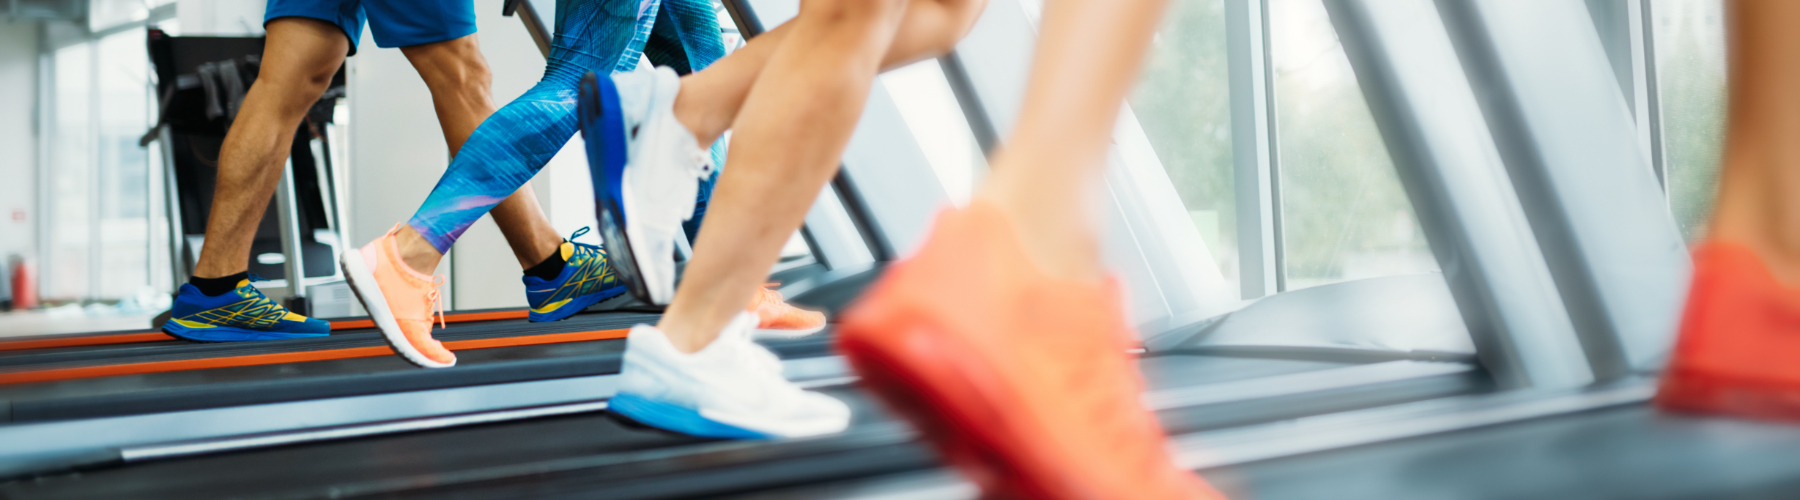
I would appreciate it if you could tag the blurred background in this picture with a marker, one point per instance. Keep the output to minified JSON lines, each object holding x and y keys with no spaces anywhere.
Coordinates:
{"x":84,"y":224}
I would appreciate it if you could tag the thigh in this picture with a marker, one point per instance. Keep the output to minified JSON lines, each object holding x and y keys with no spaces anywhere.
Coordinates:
{"x":346,"y":15}
{"x":405,"y":23}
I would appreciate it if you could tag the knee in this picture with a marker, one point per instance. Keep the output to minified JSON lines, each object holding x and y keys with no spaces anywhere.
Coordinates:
{"x":951,"y":22}
{"x":852,"y":16}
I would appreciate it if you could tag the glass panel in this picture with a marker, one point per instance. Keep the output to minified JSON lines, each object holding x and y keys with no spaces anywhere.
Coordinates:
{"x":65,"y":263}
{"x":1690,"y":63}
{"x":121,"y":167}
{"x":1344,"y":214}
{"x":1183,"y":101}
{"x":931,"y":112}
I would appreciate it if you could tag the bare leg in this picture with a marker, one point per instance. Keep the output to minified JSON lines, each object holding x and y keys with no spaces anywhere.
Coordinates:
{"x":710,"y":100}
{"x":791,"y":132}
{"x":299,"y":59}
{"x":1089,"y":54}
{"x":1759,"y":189}
{"x":460,"y":86}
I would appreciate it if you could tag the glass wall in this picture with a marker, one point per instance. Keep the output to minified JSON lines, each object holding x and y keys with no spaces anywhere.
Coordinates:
{"x":1183,"y":102}
{"x":1690,"y":62}
{"x":98,"y":237}
{"x":1344,"y":214}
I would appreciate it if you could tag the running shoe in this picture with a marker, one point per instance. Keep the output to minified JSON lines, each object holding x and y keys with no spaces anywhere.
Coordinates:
{"x":646,"y":168}
{"x":732,"y":389}
{"x":399,"y":299}
{"x":776,"y":319}
{"x":243,"y":314}
{"x":1739,"y":340}
{"x":1021,"y":380}
{"x":586,"y":280}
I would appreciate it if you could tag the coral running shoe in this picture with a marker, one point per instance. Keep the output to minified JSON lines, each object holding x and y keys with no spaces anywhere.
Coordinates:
{"x":243,"y":314}
{"x":646,"y":168}
{"x":399,"y":299}
{"x":1739,"y":340}
{"x":777,"y":319}
{"x":586,"y":280}
{"x":731,"y":389}
{"x":1020,"y":379}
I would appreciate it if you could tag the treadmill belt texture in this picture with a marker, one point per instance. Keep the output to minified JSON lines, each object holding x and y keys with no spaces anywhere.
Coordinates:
{"x":590,"y":455}
{"x":220,"y":387}
{"x":1624,"y":452}
{"x":143,"y":336}
{"x":171,"y":357}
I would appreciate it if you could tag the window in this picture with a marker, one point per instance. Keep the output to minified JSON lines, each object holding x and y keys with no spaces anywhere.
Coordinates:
{"x":1690,"y":66}
{"x":1183,"y":102}
{"x":1344,"y":214}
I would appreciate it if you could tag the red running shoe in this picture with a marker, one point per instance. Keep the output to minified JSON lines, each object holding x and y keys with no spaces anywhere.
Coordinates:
{"x":1020,"y":379}
{"x":1739,"y":350}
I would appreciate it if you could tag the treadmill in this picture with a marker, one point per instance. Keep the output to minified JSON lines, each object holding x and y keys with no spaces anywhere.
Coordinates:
{"x":1424,"y":386}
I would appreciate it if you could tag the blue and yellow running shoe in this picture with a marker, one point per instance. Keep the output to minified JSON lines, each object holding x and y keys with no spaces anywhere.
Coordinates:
{"x":587,"y":278}
{"x":240,"y":315}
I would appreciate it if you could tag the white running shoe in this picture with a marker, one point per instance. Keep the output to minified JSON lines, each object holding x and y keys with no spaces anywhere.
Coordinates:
{"x":731,"y":389}
{"x":647,"y":169}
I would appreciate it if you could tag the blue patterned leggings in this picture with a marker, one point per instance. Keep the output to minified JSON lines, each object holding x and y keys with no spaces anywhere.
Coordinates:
{"x":513,"y":144}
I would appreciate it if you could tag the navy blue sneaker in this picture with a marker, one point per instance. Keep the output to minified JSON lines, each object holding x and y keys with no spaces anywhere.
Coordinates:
{"x":586,"y":279}
{"x":240,"y":315}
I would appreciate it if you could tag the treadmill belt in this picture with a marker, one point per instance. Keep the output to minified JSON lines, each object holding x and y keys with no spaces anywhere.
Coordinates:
{"x":259,"y":384}
{"x":143,"y":336}
{"x":136,"y":359}
{"x":1623,"y":452}
{"x":590,"y":455}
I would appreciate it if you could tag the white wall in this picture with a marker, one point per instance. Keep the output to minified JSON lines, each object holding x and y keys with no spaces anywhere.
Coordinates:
{"x":397,"y":154}
{"x":220,"y":17}
{"x":18,"y":137}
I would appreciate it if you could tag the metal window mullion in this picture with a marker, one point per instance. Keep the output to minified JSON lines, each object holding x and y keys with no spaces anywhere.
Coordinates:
{"x":1435,"y":131}
{"x":1253,"y":148}
{"x":1650,"y":125}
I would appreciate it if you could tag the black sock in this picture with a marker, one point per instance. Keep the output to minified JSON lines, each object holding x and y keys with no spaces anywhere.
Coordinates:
{"x":550,"y":268}
{"x":214,"y":287}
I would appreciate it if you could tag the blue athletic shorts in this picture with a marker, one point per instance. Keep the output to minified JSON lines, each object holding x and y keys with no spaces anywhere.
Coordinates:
{"x":393,"y":23}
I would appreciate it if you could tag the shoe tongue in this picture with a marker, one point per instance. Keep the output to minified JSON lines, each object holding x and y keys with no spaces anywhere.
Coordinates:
{"x":243,"y":283}
{"x":568,"y":250}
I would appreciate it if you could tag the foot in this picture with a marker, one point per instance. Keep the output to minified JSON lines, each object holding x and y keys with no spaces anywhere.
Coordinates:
{"x":587,"y":278}
{"x":1019,"y":379}
{"x":239,"y":315}
{"x":399,"y":299}
{"x":1739,"y":337}
{"x":732,"y":389}
{"x":776,"y":319}
{"x":646,"y":170}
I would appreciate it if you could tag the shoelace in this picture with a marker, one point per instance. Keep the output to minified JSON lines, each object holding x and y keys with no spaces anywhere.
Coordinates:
{"x":260,"y":298}
{"x":437,"y":280}
{"x":768,"y":294}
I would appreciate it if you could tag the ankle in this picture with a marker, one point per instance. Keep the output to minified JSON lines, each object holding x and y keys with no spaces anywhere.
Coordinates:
{"x":417,"y":254}
{"x":1057,"y":237}
{"x":699,"y":118}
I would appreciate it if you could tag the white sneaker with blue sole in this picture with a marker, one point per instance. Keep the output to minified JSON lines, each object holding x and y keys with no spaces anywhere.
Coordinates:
{"x":646,"y":168}
{"x":731,"y":389}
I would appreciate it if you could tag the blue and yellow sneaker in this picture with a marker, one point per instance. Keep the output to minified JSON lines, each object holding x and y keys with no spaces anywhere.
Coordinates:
{"x":240,"y":315}
{"x":587,"y":278}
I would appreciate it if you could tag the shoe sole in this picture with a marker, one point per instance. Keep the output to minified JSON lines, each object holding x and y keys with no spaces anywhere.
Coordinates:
{"x":675,"y":418}
{"x":362,"y":283}
{"x":603,"y":128}
{"x":230,"y":334}
{"x":778,"y":333}
{"x":575,"y":306}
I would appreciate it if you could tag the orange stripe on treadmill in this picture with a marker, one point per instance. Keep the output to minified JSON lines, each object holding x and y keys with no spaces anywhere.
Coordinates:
{"x":350,"y":324}
{"x":156,"y":336}
{"x":290,"y":357}
{"x":123,"y":338}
